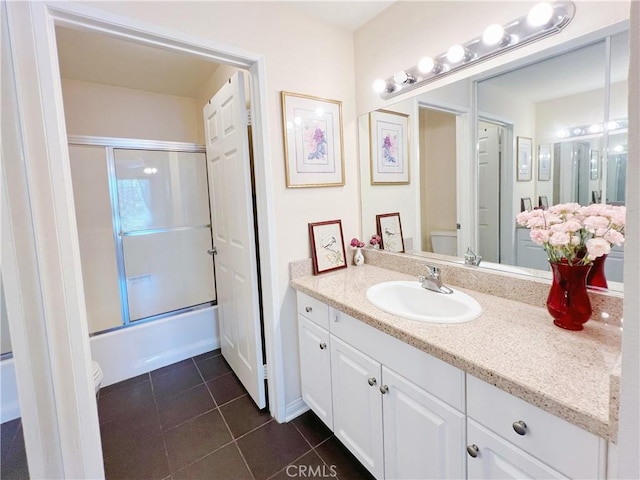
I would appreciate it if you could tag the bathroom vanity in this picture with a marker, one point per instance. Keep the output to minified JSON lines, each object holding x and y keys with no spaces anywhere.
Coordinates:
{"x":507,"y":395}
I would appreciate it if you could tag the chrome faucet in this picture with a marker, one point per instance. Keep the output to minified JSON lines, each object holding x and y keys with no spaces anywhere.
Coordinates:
{"x":470,"y":258}
{"x":431,"y":281}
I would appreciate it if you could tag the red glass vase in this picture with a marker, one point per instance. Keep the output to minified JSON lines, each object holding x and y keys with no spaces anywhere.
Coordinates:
{"x":568,"y":301}
{"x":596,"y":277}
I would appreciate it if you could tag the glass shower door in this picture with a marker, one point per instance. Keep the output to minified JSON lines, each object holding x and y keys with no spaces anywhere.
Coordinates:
{"x":164,"y":225}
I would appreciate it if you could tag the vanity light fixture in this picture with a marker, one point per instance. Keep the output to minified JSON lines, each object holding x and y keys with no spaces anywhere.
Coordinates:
{"x":542,"y":20}
{"x":593,"y":129}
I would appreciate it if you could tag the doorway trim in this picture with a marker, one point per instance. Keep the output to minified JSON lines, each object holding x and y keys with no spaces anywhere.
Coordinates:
{"x":46,"y":160}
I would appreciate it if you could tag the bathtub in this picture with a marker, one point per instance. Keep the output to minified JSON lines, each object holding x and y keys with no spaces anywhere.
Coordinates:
{"x":132,"y":351}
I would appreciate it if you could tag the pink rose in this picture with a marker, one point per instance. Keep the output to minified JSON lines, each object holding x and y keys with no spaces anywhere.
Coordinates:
{"x":559,"y":239}
{"x":539,"y":236}
{"x":596,"y":247}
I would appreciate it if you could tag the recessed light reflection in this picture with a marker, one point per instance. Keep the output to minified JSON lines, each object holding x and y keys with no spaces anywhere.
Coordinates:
{"x":150,"y":170}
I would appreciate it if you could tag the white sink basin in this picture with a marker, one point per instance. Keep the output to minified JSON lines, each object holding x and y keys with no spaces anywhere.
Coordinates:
{"x":409,"y":300}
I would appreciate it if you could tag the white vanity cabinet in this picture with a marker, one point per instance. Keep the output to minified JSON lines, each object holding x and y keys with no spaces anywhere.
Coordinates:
{"x":510,"y":438}
{"x":315,"y":362}
{"x":397,"y":409}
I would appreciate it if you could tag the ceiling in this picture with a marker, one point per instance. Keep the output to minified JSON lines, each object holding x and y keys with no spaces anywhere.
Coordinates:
{"x":98,"y":58}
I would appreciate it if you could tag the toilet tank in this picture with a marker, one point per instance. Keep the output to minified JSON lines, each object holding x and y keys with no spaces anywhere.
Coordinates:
{"x":444,"y":242}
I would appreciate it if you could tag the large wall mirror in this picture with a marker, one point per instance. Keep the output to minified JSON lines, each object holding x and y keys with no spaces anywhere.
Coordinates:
{"x":551,"y":130}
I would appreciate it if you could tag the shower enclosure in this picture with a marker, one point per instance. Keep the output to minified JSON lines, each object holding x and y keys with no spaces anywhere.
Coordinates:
{"x":144,"y":227}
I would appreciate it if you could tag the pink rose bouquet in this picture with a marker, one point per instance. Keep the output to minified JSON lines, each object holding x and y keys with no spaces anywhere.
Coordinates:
{"x":575,"y":233}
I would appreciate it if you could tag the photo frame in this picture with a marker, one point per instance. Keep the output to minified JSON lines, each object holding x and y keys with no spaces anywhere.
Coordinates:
{"x":313,"y":144}
{"x":544,"y":163}
{"x":327,"y":246}
{"x":594,"y":164}
{"x":389,"y":228}
{"x":389,"y":137}
{"x":524,"y":153}
{"x":525,"y":204}
{"x":543,"y":203}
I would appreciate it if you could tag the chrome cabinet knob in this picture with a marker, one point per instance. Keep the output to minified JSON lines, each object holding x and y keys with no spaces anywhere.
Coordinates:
{"x":323,"y":346}
{"x":372,"y":381}
{"x":308,"y":309}
{"x":520,"y":427}
{"x":473,"y":450}
{"x":384,"y":389}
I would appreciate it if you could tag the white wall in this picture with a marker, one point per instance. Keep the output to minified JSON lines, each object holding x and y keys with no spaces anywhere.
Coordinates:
{"x":378,"y":199}
{"x":103,"y":110}
{"x":302,"y":55}
{"x":521,"y":113}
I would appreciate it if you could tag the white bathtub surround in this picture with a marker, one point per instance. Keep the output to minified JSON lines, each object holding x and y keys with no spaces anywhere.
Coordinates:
{"x":128,"y":352}
{"x":131,"y":351}
{"x":10,"y":407}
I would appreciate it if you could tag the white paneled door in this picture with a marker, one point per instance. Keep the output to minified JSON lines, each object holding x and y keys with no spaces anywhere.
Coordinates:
{"x":232,"y":219}
{"x":489,"y":192}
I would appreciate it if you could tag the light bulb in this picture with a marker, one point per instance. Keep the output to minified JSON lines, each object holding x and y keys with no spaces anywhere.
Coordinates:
{"x":400,"y":77}
{"x":563,"y":134}
{"x":379,"y":86}
{"x":595,"y":128}
{"x":540,"y":14}
{"x":426,"y":65}
{"x":150,"y":170}
{"x":456,"y":53}
{"x":618,"y":148}
{"x":493,"y":34}
{"x":577,"y":131}
{"x":613,"y":125}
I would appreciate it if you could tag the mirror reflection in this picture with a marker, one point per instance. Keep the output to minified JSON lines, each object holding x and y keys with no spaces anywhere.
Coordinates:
{"x":549,"y":132}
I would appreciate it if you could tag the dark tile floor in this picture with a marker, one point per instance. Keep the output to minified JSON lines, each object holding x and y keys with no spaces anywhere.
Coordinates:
{"x":194,"y":420}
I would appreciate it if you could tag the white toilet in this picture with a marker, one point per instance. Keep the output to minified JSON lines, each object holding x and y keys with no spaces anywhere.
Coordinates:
{"x":444,"y":242}
{"x":97,"y":377}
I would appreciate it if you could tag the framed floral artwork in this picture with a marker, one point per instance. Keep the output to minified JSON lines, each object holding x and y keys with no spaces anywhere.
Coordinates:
{"x":544,"y":163}
{"x":327,"y":246}
{"x":390,"y":231}
{"x":389,"y":136}
{"x":525,"y":150}
{"x":313,"y":148}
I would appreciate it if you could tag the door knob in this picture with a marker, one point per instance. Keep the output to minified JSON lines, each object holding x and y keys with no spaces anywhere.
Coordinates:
{"x":384,"y":389}
{"x":323,"y":346}
{"x":372,"y":381}
{"x":212,"y":251}
{"x":308,"y":309}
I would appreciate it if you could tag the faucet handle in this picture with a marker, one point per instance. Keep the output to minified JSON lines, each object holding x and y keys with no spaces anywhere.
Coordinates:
{"x":433,"y":271}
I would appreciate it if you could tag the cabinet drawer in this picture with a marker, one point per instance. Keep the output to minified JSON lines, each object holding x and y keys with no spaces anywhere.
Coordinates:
{"x":314,"y":310}
{"x":572,"y":451}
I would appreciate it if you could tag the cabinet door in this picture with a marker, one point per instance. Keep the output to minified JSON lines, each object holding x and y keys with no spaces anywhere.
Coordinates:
{"x":357,"y":404}
{"x":423,"y":437}
{"x":315,"y":369}
{"x":497,"y":458}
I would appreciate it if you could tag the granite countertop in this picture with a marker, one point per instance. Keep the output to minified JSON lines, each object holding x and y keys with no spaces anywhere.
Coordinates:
{"x":512,"y":345}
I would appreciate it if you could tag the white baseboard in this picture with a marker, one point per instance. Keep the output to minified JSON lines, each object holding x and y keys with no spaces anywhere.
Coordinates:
{"x":295,"y":409}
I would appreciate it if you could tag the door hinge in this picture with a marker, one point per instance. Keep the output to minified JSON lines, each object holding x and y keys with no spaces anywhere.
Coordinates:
{"x":248,"y":118}
{"x":265,"y":371}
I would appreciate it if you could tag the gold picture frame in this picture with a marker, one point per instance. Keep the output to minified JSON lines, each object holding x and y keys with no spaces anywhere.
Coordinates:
{"x":313,"y":143}
{"x":389,"y":148}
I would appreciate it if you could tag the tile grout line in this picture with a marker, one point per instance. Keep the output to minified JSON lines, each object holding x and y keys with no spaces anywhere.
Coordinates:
{"x":162,"y":431}
{"x":291,"y":463}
